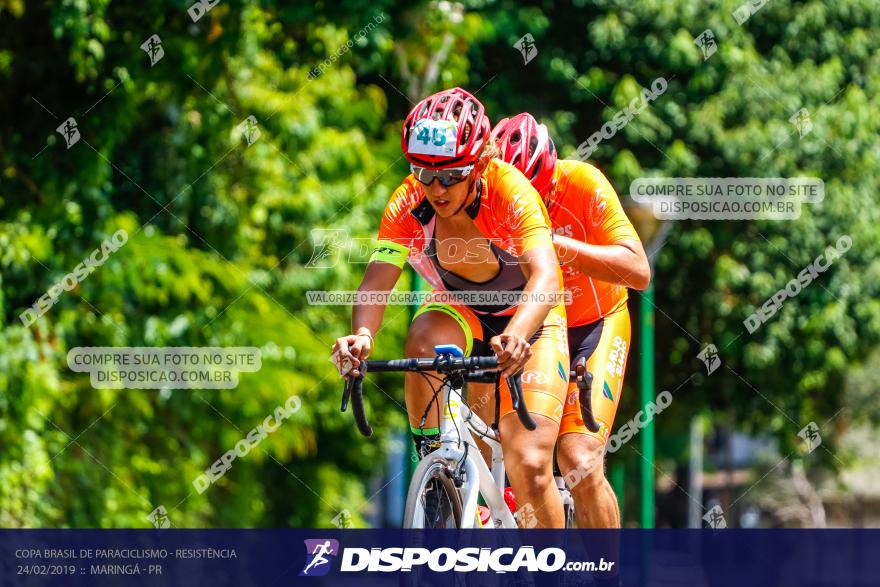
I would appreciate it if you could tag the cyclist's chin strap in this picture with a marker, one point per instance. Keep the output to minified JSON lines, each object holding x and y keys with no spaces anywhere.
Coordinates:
{"x":497,"y":403}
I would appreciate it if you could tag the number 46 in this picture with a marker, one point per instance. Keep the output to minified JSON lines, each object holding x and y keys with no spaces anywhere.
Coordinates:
{"x":437,"y":137}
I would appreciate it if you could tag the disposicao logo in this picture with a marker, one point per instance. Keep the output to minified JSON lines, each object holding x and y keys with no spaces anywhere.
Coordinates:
{"x":318,"y":553}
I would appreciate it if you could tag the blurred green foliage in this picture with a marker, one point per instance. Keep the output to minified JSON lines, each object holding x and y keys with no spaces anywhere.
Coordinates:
{"x":220,"y":231}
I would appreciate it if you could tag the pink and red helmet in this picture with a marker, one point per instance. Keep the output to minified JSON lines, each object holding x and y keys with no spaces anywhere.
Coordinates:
{"x":527,"y":145}
{"x":446,"y":129}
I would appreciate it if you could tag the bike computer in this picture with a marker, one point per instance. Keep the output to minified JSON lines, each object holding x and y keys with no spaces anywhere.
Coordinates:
{"x":448,"y":349}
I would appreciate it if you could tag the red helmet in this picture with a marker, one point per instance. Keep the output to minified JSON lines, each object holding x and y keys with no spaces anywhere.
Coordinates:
{"x":446,"y":129}
{"x":527,"y":145}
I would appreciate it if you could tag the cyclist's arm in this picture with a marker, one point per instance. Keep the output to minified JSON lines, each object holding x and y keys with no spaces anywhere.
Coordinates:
{"x":541,"y":267}
{"x":366,"y":318}
{"x":623,"y":263}
{"x":529,"y":225}
{"x":614,"y":253}
{"x":386,"y":264}
{"x":542,"y":270}
{"x":379,"y":277}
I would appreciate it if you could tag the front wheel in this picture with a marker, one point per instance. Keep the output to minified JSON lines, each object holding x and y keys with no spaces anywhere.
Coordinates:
{"x":432,"y":500}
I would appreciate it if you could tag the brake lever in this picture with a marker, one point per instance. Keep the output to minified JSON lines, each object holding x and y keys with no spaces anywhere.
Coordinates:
{"x":514,"y":385}
{"x":584,"y":381}
{"x":346,"y":394}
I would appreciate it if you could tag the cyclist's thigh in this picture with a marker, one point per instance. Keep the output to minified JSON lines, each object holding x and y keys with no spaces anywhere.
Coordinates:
{"x":436,"y":323}
{"x":545,"y":375}
{"x":433,"y":324}
{"x":605,"y":344}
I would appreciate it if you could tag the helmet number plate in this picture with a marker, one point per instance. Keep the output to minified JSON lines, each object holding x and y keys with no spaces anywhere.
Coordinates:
{"x":433,"y":137}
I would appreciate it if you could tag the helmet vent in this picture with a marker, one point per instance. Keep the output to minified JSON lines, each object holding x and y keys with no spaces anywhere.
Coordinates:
{"x":466,"y":132}
{"x":533,"y":146}
{"x":536,"y":171}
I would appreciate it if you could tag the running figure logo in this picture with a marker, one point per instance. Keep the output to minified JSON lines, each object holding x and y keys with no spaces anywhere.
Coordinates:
{"x":801,"y":121}
{"x":318,"y":553}
{"x":526,"y":45}
{"x":706,"y":42}
{"x":709,"y":356}
{"x":250,"y":129}
{"x":153,"y":48}
{"x":715,"y":518}
{"x":70,"y":131}
{"x":810,"y":435}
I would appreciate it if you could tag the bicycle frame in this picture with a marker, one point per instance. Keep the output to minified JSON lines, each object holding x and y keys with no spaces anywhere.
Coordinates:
{"x":456,"y":422}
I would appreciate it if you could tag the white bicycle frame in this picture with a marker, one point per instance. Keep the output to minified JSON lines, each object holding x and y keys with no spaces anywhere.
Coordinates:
{"x":456,"y":422}
{"x":454,"y":434}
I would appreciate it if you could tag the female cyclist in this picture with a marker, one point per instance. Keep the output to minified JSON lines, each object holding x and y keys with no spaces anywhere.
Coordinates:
{"x":601,"y":256}
{"x":468,"y":222}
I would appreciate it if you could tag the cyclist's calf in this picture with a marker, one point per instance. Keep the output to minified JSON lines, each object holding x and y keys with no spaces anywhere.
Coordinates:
{"x":581,"y":462}
{"x":427,"y":331}
{"x":529,"y":458}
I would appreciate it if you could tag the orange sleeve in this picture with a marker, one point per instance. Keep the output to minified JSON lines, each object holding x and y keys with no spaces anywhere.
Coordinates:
{"x":603,"y":210}
{"x":521,"y":210}
{"x":399,"y":229}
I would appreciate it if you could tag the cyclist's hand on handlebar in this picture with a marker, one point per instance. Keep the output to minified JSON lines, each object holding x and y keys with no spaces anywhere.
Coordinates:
{"x":348,"y":352}
{"x":512,"y":351}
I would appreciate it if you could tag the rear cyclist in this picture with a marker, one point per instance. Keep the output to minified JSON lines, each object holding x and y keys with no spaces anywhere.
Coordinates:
{"x":466,"y":221}
{"x":601,"y":256}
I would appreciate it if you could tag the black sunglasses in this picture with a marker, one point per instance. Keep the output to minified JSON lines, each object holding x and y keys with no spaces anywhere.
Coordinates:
{"x":447,"y":177}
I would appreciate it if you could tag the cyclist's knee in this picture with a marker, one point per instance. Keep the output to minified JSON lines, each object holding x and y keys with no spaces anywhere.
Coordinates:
{"x":531,"y":466}
{"x":530,"y":462}
{"x":430,"y":329}
{"x":581,"y":460}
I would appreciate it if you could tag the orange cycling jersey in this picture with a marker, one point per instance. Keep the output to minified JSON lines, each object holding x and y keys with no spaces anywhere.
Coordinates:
{"x":585,"y":207}
{"x":507,"y":211}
